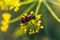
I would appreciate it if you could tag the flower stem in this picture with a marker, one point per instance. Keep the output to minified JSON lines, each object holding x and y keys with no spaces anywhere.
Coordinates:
{"x":27,"y":10}
{"x":53,"y":2}
{"x":27,"y":2}
{"x":38,"y":6}
{"x":52,"y":12}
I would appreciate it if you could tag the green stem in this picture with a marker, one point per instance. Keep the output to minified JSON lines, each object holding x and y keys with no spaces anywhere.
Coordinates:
{"x":27,"y":2}
{"x":52,"y":12}
{"x":27,"y":10}
{"x":38,"y":6}
{"x":53,"y":2}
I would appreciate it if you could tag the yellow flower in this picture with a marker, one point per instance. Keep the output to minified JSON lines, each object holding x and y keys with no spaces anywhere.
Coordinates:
{"x":30,"y":33}
{"x":5,"y":22}
{"x":38,"y":23}
{"x":38,"y":16}
{"x":25,"y":14}
{"x":16,"y":6}
{"x":4,"y":28}
{"x":32,"y":12}
{"x":37,"y":31}
{"x":32,"y":21}
{"x":1,"y":3}
{"x":40,"y":1}
{"x":11,"y":7}
{"x":16,"y":3}
{"x":25,"y":30}
{"x":6,"y":16}
{"x":21,"y":24}
{"x":41,"y":27}
{"x":33,"y":25}
{"x":16,"y":9}
{"x":10,"y":4}
{"x":33,"y":31}
{"x":2,"y":8}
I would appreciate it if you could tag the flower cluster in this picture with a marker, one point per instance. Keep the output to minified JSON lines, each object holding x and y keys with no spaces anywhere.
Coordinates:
{"x":10,"y":4}
{"x":5,"y":22}
{"x":33,"y":25}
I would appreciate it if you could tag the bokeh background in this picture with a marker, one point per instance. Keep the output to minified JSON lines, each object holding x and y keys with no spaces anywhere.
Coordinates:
{"x":51,"y":29}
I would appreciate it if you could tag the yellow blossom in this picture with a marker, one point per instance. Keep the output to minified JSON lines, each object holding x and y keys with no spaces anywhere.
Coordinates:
{"x":21,"y":24}
{"x":33,"y":26}
{"x":37,"y":31}
{"x":5,"y":22}
{"x":16,"y":9}
{"x":25,"y":14}
{"x":25,"y":30}
{"x":33,"y":32}
{"x":16,"y":3}
{"x":33,"y":21}
{"x":41,"y":27}
{"x":38,"y":16}
{"x":6,"y":16}
{"x":38,"y":23}
{"x":2,"y":8}
{"x":4,"y":28}
{"x":1,"y":3}
{"x":40,"y":1}
{"x":30,"y":33}
{"x":10,"y":4}
{"x":32,"y":12}
{"x":11,"y":7}
{"x":30,"y":30}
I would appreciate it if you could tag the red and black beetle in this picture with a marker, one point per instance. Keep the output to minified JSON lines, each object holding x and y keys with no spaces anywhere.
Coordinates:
{"x":27,"y":18}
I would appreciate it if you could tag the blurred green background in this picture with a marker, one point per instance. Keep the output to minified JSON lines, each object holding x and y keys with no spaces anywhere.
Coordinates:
{"x":51,"y":29}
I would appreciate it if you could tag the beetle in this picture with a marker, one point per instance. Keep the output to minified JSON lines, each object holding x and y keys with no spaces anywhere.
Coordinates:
{"x":27,"y":18}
